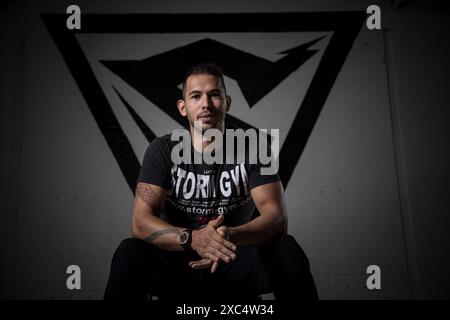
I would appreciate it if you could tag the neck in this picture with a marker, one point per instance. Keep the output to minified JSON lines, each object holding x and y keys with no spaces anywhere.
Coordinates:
{"x":199,"y":141}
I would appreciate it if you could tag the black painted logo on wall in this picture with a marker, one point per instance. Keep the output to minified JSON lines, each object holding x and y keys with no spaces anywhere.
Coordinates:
{"x":157,"y":77}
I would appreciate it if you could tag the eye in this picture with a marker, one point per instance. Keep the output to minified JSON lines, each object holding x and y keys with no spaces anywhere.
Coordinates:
{"x":195,"y":97}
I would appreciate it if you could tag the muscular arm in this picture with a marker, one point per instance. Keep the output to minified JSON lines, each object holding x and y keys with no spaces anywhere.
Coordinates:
{"x":146,"y":224}
{"x":269,"y":200}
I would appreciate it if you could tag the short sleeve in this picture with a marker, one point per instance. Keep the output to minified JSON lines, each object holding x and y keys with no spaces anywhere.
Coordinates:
{"x":155,"y":167}
{"x":262,"y":171}
{"x":257,"y":179}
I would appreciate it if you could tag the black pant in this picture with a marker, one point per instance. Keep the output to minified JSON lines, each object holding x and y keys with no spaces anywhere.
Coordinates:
{"x":279,"y":266}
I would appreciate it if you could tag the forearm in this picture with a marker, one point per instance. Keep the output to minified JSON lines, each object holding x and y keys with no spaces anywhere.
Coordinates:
{"x":157,"y":232}
{"x":146,"y":224}
{"x":258,"y":230}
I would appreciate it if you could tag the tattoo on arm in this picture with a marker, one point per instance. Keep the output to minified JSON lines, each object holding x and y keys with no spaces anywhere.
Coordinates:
{"x":153,"y":199}
{"x":145,"y":192}
{"x":159,"y":233}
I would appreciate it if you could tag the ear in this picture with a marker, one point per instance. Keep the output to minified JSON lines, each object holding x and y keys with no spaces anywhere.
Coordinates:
{"x":181,"y":107}
{"x":228,"y":103}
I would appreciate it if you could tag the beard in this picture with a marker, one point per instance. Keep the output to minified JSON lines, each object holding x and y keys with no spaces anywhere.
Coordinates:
{"x":208,"y":120}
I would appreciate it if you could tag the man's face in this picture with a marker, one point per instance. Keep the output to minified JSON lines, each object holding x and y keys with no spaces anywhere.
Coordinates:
{"x":205,"y":100}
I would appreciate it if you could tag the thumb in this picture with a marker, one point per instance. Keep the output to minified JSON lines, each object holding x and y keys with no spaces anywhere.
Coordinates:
{"x":222,"y":231}
{"x":216,"y":222}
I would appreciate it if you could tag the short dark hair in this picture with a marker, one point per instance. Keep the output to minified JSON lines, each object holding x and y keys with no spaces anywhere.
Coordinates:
{"x":204,"y":68}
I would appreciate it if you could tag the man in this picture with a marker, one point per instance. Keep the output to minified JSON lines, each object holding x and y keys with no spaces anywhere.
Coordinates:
{"x":192,"y":227}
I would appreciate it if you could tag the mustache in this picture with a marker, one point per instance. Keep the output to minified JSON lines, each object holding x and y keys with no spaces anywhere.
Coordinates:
{"x":206,"y":113}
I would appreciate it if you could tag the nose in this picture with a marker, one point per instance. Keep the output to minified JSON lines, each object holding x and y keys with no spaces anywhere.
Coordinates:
{"x":205,"y":101}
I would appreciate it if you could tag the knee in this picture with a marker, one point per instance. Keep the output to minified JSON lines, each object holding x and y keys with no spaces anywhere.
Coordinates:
{"x":129,"y":247}
{"x":130,"y":243}
{"x":290,"y":249}
{"x":288,"y":241}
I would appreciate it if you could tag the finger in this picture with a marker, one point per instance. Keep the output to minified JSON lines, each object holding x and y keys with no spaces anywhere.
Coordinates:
{"x":224,"y":250}
{"x":214,"y":267}
{"x":211,"y":256}
{"x":216,"y":222}
{"x":222,"y":231}
{"x":201,"y":260}
{"x":222,"y":228}
{"x":200,"y":263}
{"x":196,"y":262}
{"x":227,"y":252}
{"x":219,"y":239}
{"x":203,"y":265}
{"x":219,"y":255}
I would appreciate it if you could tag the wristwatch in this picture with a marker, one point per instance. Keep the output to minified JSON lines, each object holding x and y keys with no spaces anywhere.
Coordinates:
{"x":186,"y":239}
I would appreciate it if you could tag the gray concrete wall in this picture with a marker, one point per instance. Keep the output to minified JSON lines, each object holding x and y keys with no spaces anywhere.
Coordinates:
{"x":419,"y":67}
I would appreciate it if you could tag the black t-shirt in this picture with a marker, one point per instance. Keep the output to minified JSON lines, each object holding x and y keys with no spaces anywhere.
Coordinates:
{"x":198,"y":193}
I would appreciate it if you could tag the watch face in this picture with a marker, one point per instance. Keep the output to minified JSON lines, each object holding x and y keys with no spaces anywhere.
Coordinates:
{"x":184,"y":236}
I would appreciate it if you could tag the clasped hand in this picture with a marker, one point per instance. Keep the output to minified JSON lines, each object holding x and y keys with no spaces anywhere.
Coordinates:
{"x":212,"y":245}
